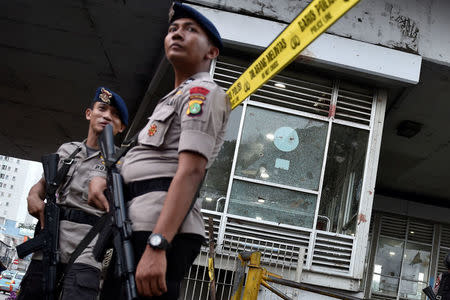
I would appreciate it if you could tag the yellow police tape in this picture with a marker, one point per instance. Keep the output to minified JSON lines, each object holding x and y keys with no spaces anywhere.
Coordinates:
{"x":211,"y":268}
{"x":306,"y":27}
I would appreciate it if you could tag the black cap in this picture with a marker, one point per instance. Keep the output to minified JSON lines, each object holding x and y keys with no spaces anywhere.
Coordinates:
{"x":107,"y":96}
{"x":184,"y":11}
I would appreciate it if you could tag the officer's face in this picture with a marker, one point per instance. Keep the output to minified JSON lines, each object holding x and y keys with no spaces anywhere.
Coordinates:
{"x":187,"y":44}
{"x":102,"y":114}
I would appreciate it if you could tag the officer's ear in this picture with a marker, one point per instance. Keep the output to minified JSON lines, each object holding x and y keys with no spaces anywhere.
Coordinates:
{"x":213,"y":52}
{"x":122,"y":127}
{"x":88,"y":113}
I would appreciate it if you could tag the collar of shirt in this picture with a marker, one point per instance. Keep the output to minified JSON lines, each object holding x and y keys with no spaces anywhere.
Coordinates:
{"x":89,"y":154}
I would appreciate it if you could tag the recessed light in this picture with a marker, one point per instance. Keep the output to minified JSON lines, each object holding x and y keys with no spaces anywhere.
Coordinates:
{"x":280,"y":85}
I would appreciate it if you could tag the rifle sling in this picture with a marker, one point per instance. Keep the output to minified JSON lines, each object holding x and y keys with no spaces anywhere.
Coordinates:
{"x":126,"y":146}
{"x":84,"y":243}
{"x":62,"y":172}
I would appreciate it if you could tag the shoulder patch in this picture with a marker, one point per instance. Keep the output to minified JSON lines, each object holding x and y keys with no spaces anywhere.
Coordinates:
{"x":194,"y":108}
{"x":199,"y":90}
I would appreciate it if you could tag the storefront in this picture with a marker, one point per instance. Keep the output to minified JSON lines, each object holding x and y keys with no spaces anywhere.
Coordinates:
{"x":297,"y":156}
{"x":296,"y":174}
{"x":404,"y":256}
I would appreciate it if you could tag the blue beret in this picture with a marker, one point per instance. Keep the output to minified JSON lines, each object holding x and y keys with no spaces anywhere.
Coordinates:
{"x":184,"y":11}
{"x":107,"y":96}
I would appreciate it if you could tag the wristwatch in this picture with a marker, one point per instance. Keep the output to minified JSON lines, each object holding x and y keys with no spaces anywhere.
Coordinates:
{"x":158,"y":242}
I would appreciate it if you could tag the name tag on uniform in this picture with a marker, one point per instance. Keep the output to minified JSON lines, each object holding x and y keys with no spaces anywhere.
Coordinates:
{"x":99,"y":167}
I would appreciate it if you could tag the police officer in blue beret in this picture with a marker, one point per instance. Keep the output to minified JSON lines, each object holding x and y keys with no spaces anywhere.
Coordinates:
{"x":165,"y":169}
{"x":76,"y":217}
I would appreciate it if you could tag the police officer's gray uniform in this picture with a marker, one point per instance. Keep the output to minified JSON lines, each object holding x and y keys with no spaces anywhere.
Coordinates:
{"x":190,"y":118}
{"x":76,"y":217}
{"x":73,"y":194}
{"x":72,"y":198}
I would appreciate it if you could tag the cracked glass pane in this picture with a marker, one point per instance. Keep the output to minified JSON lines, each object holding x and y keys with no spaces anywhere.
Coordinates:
{"x":214,"y":188}
{"x":281,"y":148}
{"x":341,"y":191}
{"x":268,"y":203}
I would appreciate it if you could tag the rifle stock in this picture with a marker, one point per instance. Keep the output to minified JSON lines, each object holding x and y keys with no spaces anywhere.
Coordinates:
{"x":121,"y":226}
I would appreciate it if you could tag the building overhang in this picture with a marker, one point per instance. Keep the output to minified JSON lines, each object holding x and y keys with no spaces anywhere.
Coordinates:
{"x":344,"y":54}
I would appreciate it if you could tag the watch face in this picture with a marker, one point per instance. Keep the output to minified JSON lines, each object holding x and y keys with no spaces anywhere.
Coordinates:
{"x":155,"y":240}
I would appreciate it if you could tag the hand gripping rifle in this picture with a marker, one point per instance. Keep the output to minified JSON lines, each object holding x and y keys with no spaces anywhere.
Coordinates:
{"x":119,"y":227}
{"x":48,"y":239}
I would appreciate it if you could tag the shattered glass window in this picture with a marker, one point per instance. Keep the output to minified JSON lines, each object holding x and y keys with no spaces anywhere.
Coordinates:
{"x":281,"y":148}
{"x":341,"y":191}
{"x":214,"y":189}
{"x":267,"y":203}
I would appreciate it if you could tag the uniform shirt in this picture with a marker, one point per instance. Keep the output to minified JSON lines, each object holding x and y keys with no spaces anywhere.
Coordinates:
{"x":192,"y":118}
{"x":73,"y":193}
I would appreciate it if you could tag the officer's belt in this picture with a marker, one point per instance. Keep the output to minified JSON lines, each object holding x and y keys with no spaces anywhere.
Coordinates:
{"x":141,"y":187}
{"x":77,"y":216}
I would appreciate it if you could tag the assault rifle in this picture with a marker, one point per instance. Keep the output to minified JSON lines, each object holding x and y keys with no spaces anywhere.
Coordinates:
{"x":118,"y":227}
{"x":48,"y":239}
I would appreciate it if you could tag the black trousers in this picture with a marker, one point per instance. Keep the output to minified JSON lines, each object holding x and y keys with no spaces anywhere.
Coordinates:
{"x":184,"y":249}
{"x":81,"y":282}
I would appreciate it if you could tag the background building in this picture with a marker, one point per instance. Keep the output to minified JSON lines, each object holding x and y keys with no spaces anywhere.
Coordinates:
{"x":16,"y":178}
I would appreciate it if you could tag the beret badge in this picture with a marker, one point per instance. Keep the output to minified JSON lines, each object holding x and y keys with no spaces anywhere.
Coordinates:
{"x":105,"y":96}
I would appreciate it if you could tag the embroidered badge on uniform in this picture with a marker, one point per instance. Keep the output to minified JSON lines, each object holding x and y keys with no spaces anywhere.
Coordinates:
{"x":105,"y":96}
{"x":199,"y":90}
{"x":194,"y":107}
{"x":152,"y":130}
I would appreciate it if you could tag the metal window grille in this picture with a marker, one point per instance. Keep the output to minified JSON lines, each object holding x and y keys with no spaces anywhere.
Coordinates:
{"x":280,"y":245}
{"x":444,"y":247}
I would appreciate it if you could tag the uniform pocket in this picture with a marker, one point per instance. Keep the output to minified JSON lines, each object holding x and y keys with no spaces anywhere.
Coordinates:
{"x":87,"y":281}
{"x":159,"y":123}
